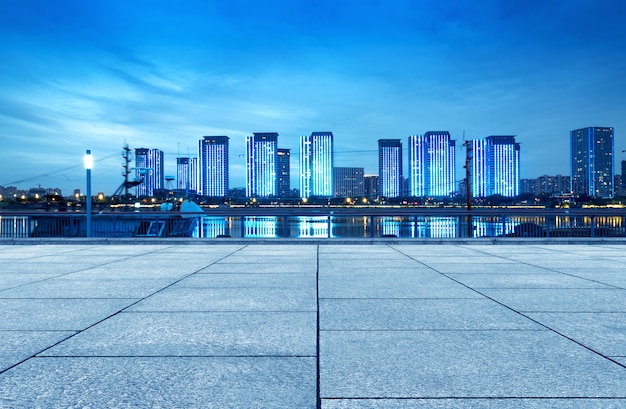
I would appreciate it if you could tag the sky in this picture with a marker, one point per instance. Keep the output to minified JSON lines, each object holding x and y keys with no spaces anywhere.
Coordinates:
{"x":99,"y":74}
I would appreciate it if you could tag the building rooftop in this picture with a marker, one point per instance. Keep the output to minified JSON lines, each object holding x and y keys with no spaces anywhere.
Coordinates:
{"x":331,"y":325}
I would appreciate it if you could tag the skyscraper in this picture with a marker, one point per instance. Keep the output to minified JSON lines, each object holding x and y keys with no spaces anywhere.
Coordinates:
{"x":503,"y":164}
{"x":149,"y":167}
{"x":213,"y":154}
{"x":262,"y":165}
{"x":284,"y":172}
{"x":187,"y":174}
{"x":431,"y":164}
{"x":390,"y":168}
{"x":592,"y":161}
{"x":495,"y":166}
{"x":349,"y":182}
{"x":316,"y":164}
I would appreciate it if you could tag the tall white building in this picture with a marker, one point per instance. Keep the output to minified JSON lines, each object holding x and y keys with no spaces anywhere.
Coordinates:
{"x":390,"y":179}
{"x":213,"y":155}
{"x":316,"y":165}
{"x":495,"y":166}
{"x":150,"y":168}
{"x":431,"y":164}
{"x":187,"y":174}
{"x":262,"y":165}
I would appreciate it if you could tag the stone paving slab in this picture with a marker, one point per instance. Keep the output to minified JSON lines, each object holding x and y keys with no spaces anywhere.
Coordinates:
{"x":471,"y":364}
{"x":231,"y":299}
{"x":524,"y":280}
{"x":609,"y":299}
{"x":196,"y":334}
{"x":463,"y":403}
{"x":16,"y":346}
{"x":139,"y":382}
{"x":56,"y":313}
{"x":602,"y":332}
{"x":418,"y":314}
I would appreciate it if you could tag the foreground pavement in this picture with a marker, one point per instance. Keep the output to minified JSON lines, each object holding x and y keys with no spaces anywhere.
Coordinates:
{"x":313,"y":325}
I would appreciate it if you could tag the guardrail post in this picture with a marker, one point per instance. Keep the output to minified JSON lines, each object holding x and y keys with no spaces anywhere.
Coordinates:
{"x":328,"y":235}
{"x":593,"y":226}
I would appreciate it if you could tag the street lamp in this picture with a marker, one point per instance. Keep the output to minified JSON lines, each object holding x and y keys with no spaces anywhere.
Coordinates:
{"x":88,"y":166}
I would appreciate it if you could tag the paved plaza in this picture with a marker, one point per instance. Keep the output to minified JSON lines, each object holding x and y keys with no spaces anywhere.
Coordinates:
{"x":308,"y":325}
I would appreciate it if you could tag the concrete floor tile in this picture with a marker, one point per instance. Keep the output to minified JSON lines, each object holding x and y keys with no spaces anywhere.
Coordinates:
{"x":485,"y":403}
{"x":103,"y":383}
{"x":418,"y":314}
{"x":56,"y":314}
{"x":374,"y":283}
{"x":196,"y":334}
{"x":524,"y":280}
{"x":367,"y":364}
{"x":604,"y":333}
{"x":89,"y":288}
{"x":560,"y":300}
{"x":231,"y":299}
{"x":16,"y":346}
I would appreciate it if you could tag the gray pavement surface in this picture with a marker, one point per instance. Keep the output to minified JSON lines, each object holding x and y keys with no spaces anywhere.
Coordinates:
{"x":330,"y":325}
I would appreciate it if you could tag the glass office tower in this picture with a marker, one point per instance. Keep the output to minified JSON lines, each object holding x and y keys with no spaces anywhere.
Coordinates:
{"x":316,"y":165}
{"x":431,"y":164}
{"x":150,"y":168}
{"x":591,"y":154}
{"x":390,"y":168}
{"x":262,"y":165}
{"x":187,"y":174}
{"x":495,"y":166}
{"x":213,"y":154}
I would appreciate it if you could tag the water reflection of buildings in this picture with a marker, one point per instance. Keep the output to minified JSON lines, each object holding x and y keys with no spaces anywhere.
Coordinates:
{"x":402,"y":226}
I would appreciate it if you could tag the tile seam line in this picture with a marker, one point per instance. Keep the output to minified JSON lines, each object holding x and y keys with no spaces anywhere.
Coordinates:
{"x":114,"y":314}
{"x":521,"y":314}
{"x":318,"y":399}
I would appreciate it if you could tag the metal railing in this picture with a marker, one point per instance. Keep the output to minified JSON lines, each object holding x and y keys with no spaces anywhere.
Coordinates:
{"x":325,"y":223}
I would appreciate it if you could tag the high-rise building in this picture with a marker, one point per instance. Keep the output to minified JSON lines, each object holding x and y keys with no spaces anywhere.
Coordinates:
{"x":495,"y":166}
{"x":592,"y":161}
{"x":213,"y":169}
{"x":316,"y":165}
{"x":503,"y":164}
{"x":150,"y":168}
{"x":284,"y":173}
{"x":371,"y":186}
{"x":262,"y":165}
{"x":187,"y":174}
{"x":390,"y":168}
{"x":431,"y":164}
{"x":349,"y":182}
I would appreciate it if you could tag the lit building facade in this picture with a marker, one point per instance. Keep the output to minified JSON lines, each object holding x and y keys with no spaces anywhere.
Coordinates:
{"x":262,"y":165}
{"x":349,"y":182}
{"x":390,"y":168}
{"x":316,"y":165}
{"x":431,"y":164}
{"x":187,"y":174}
{"x":592,"y":161}
{"x":150,"y":168}
{"x":213,"y":166}
{"x":495,"y":166}
{"x":284,"y":172}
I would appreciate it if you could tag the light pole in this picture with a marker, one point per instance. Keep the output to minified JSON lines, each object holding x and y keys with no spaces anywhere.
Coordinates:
{"x":88,"y":166}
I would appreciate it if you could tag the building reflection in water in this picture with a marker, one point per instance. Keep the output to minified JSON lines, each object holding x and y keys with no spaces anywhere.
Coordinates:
{"x":402,"y":226}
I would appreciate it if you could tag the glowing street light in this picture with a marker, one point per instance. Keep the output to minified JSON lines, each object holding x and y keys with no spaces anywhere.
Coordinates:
{"x":88,"y":166}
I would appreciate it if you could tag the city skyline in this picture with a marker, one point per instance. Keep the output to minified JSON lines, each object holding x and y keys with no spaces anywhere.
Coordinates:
{"x":99,"y":75}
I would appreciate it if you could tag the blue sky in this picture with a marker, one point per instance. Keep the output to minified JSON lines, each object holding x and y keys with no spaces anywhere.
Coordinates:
{"x":79,"y":75}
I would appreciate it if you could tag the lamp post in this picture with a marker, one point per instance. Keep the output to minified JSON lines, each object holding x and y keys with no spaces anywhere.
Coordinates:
{"x":88,"y":166}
